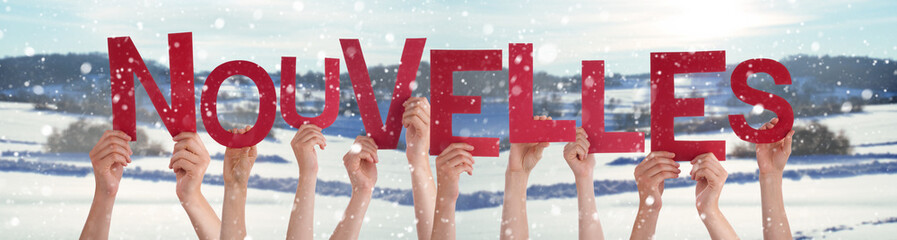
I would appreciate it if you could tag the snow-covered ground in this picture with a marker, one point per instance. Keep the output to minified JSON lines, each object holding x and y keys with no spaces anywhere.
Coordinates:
{"x":40,"y":206}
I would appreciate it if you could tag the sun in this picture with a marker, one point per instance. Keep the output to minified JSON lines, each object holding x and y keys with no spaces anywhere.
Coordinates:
{"x":708,"y":19}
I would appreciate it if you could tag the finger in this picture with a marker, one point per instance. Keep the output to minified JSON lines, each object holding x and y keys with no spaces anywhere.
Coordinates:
{"x":416,"y":111}
{"x":583,"y":142}
{"x":183,"y":165}
{"x":414,"y":121}
{"x":464,"y":146}
{"x":581,"y":151}
{"x":118,"y":159}
{"x":114,"y":149}
{"x":457,"y":170}
{"x":788,"y":139}
{"x":120,"y":144}
{"x":182,"y":136}
{"x":119,"y":134}
{"x":651,"y":172}
{"x":460,"y":159}
{"x":661,"y":154}
{"x":649,"y":163}
{"x":186,"y":155}
{"x":371,"y":153}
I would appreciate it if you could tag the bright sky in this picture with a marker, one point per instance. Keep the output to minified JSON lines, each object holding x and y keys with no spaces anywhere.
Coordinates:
{"x":621,"y":32}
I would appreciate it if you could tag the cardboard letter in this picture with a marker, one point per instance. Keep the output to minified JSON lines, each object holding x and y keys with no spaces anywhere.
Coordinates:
{"x":267,"y":104}
{"x":288,"y":94}
{"x":386,"y":136}
{"x":768,"y":100}
{"x":520,"y":103}
{"x":125,"y":62}
{"x":593,"y":115}
{"x":665,"y":107}
{"x":445,"y":103}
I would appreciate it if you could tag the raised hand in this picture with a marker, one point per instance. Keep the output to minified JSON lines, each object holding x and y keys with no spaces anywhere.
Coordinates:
{"x":361,"y":165}
{"x":416,"y":121}
{"x":524,"y":156}
{"x":454,"y":160}
{"x":361,"y":162}
{"x":577,"y":155}
{"x":303,"y":145}
{"x":237,"y":166}
{"x":301,"y":225}
{"x":189,"y":161}
{"x":649,"y":176}
{"x":582,"y":163}
{"x":109,"y":157}
{"x":772,"y":157}
{"x":238,"y":163}
{"x":711,"y":177}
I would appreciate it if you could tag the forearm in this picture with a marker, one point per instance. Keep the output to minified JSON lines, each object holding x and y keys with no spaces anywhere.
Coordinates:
{"x":301,"y":224}
{"x":204,"y":219}
{"x":717,"y":225}
{"x":775,"y":221}
{"x":589,"y":224}
{"x":513,"y":216}
{"x":350,"y":226}
{"x":233,"y":214}
{"x":100,"y":216}
{"x":444,"y":216}
{"x":645,"y":221}
{"x":424,"y":192}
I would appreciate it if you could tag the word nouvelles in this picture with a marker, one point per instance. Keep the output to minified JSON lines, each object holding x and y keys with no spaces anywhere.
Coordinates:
{"x":180,"y":116}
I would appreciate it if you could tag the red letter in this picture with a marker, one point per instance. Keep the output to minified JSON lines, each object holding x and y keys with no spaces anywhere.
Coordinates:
{"x":523,"y":128}
{"x":444,"y":63}
{"x":386,"y":136}
{"x":665,"y":106}
{"x":125,"y":61}
{"x":288,"y":94}
{"x":593,"y":115}
{"x":768,"y":100}
{"x":267,"y":104}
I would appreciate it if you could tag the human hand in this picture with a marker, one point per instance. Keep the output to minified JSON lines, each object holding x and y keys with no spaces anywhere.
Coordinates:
{"x":303,"y":145}
{"x":650,"y":174}
{"x":711,"y":176}
{"x":417,"y":120}
{"x":189,"y":160}
{"x":109,"y":157}
{"x":524,"y":156}
{"x":238,"y":163}
{"x":772,"y":157}
{"x":361,"y":163}
{"x":454,"y":160}
{"x":578,"y":157}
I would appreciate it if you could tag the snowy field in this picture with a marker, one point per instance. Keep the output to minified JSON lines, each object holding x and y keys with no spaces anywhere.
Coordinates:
{"x":42,"y":207}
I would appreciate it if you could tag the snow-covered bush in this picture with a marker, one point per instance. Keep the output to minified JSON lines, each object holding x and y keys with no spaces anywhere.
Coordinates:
{"x":813,"y":139}
{"x":82,"y":135}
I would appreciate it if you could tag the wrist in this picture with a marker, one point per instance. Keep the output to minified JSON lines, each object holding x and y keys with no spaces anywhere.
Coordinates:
{"x":308,"y":172}
{"x":104,"y":195}
{"x":650,"y":203}
{"x":516,"y":176}
{"x":709,"y":209}
{"x":584,"y":178}
{"x":361,"y":191}
{"x":710,"y":215}
{"x":770,"y":175}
